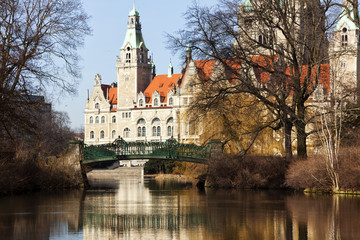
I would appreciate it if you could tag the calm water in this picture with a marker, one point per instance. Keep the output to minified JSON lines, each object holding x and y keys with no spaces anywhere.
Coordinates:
{"x":133,"y":209}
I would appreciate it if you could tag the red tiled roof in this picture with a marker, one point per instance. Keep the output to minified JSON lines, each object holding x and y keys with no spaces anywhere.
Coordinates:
{"x":162,"y":84}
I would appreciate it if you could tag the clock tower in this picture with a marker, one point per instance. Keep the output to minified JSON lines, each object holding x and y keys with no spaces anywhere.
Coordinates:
{"x":133,"y":67}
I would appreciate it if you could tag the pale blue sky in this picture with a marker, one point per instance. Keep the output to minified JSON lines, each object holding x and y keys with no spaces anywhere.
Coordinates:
{"x":109,"y":21}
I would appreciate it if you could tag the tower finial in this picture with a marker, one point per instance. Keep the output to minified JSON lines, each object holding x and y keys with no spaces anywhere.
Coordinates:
{"x":134,"y":4}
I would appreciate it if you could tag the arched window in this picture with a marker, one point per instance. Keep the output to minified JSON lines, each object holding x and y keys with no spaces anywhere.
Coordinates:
{"x":141,"y":103}
{"x":156,"y":121}
{"x":102,"y":134}
{"x":171,"y":101}
{"x":92,"y":135}
{"x":156,"y":128}
{"x":169,"y":131}
{"x":97,"y":119}
{"x":139,"y":131}
{"x":126,"y":132}
{"x":143,"y":134}
{"x":141,"y":128}
{"x":103,"y":119}
{"x":113,"y":134}
{"x":154,"y":131}
{"x":97,"y":106}
{"x":141,"y":58}
{"x":113,"y":119}
{"x":91,"y":120}
{"x":156,"y":102}
{"x":141,"y":121}
{"x":170,"y":127}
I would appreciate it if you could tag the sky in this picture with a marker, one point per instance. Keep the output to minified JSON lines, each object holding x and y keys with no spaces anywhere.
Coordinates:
{"x":109,"y":22}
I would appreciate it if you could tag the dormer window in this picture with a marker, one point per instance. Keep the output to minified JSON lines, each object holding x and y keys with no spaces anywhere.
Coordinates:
{"x":156,"y":102}
{"x":171,"y":101}
{"x":97,"y":106}
{"x":141,"y":103}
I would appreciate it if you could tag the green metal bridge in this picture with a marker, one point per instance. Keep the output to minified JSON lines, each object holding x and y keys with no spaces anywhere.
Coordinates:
{"x":169,"y":150}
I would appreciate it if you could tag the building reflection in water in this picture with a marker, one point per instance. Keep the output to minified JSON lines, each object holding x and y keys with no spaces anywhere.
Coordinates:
{"x":153,"y":211}
{"x":133,"y":209}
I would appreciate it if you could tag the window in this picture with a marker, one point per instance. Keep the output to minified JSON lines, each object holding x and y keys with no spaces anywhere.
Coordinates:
{"x":141,"y":103}
{"x":344,"y":37}
{"x":102,"y":134}
{"x":141,"y":58}
{"x":128,"y":57}
{"x":190,"y":128}
{"x":141,"y":121}
{"x":113,"y":134}
{"x":170,"y":127}
{"x":92,"y":135}
{"x":126,"y":115}
{"x":343,"y":64}
{"x":91,"y":120}
{"x":156,"y":102}
{"x":102,"y":119}
{"x":171,"y":101}
{"x":344,"y":40}
{"x":139,"y":131}
{"x":185,"y":101}
{"x":156,"y":128}
{"x":143,"y":132}
{"x":141,"y":128}
{"x":97,"y":120}
{"x":169,"y":131}
{"x":97,"y":106}
{"x":156,"y":121}
{"x":126,"y":132}
{"x":113,"y":119}
{"x":154,"y":131}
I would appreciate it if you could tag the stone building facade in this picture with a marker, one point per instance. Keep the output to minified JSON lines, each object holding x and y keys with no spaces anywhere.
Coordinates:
{"x":143,"y":106}
{"x":140,"y":106}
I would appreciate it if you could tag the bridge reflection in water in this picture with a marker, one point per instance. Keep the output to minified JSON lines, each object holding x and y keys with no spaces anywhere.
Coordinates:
{"x":129,"y":209}
{"x":171,"y":150}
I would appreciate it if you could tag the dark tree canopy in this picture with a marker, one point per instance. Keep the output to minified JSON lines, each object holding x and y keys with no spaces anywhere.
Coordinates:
{"x":39,"y":40}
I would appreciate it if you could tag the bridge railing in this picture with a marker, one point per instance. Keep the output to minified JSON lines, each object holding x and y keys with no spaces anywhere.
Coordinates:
{"x":171,"y":149}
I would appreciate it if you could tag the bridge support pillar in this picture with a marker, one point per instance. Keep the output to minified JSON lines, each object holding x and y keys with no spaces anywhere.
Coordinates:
{"x":79,"y":151}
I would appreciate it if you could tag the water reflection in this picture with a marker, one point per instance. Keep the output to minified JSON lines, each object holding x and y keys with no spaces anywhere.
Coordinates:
{"x":133,"y":209}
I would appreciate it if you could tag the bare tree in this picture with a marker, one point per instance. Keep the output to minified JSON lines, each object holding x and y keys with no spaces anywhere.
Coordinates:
{"x":38,"y":43}
{"x":281,"y":48}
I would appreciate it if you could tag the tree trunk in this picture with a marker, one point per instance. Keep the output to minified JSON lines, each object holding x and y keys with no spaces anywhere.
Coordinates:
{"x":288,"y":147}
{"x":300,"y":131}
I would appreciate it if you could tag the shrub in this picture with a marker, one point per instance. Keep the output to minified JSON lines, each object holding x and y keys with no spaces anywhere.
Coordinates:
{"x":312,"y":173}
{"x":247,"y":172}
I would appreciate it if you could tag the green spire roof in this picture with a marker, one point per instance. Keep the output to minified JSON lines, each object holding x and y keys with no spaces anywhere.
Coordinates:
{"x":345,"y":19}
{"x":133,"y":35}
{"x":134,"y":12}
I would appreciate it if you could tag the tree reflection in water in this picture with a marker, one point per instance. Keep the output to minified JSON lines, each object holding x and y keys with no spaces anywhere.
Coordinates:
{"x":133,"y":209}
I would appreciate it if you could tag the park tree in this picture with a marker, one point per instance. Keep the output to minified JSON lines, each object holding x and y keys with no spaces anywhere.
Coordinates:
{"x":38,"y":44}
{"x":281,"y":48}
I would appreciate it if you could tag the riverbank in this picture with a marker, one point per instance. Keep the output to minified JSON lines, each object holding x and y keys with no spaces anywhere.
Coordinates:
{"x":24,"y":173}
